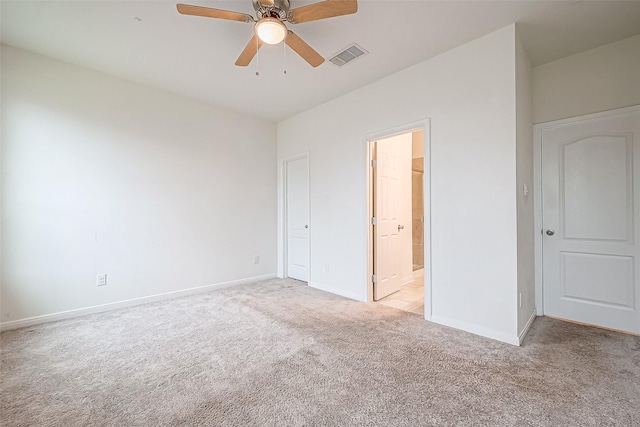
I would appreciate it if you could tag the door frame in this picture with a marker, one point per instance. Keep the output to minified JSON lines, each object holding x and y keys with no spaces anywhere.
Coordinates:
{"x":538,"y":134}
{"x":283,"y":219}
{"x":369,"y":139}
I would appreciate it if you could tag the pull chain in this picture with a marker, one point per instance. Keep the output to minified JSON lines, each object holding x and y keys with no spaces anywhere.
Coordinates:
{"x":284,"y":57}
{"x":257,"y":56}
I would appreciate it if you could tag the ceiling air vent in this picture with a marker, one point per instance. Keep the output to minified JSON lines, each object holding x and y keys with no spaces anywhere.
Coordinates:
{"x":347,"y":55}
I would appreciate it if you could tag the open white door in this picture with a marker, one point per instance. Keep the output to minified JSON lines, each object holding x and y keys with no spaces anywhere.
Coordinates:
{"x":297,"y":218}
{"x":591,"y":212}
{"x":390,"y":160}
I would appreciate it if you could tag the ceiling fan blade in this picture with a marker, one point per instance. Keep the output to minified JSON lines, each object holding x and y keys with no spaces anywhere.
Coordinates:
{"x":249,"y":51}
{"x":303,"y":49}
{"x":208,"y":12}
{"x":322,"y":10}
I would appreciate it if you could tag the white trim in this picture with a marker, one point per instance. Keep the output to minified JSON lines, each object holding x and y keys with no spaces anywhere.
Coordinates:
{"x":369,"y":227}
{"x":426,"y":238}
{"x":602,"y":114}
{"x":369,"y":139}
{"x":538,"y":132}
{"x":537,"y":218}
{"x":282,"y":206}
{"x":337,"y":291}
{"x":407,"y":280}
{"x":478,"y":330}
{"x":526,"y":328}
{"x":31,"y":321}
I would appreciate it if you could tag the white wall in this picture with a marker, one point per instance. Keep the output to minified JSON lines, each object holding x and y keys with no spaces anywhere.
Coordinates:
{"x":469,"y":95}
{"x":525,"y":203}
{"x":1,"y":180}
{"x":101,"y":175}
{"x":597,"y":80}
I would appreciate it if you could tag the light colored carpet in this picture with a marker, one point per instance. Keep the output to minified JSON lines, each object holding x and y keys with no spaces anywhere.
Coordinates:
{"x":278,"y":353}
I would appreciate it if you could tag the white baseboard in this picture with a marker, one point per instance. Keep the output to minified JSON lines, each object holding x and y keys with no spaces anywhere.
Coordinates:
{"x":478,"y":330}
{"x":526,"y":328}
{"x":31,"y":321}
{"x":337,"y":291}
{"x":407,"y":280}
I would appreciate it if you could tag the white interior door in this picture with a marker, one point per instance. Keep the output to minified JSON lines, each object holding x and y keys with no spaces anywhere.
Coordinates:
{"x":387,"y":209}
{"x":590,"y":184}
{"x":297,"y":218}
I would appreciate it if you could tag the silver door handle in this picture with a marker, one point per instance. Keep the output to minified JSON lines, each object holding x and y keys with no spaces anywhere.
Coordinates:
{"x":400,"y":227}
{"x":550,"y":232}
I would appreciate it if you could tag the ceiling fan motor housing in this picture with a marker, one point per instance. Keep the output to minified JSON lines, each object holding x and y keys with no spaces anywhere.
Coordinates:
{"x":271,"y":8}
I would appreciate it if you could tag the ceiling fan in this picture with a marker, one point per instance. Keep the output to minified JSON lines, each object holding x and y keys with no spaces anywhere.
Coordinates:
{"x":270,"y":27}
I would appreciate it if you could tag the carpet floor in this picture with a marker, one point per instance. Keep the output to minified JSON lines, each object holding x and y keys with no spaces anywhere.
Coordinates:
{"x":279,"y":353}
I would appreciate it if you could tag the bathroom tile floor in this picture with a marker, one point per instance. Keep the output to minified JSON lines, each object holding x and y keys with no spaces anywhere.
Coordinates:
{"x":410,"y":298}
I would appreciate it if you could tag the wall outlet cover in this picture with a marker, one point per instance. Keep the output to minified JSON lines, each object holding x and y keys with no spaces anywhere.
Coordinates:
{"x":102,"y":279}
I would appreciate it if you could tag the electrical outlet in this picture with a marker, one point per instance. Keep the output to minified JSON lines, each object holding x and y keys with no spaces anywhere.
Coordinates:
{"x":326,"y":267}
{"x":102,"y":279}
{"x":256,"y":259}
{"x":520,"y":297}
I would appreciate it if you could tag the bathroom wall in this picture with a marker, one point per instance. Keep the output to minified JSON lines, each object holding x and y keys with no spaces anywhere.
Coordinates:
{"x":417,"y":199}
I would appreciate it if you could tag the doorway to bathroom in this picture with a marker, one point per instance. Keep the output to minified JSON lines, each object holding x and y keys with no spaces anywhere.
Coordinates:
{"x":398,"y":220}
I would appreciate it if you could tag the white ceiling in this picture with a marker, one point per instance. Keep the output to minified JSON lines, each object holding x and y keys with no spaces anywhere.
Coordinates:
{"x":150,"y":43}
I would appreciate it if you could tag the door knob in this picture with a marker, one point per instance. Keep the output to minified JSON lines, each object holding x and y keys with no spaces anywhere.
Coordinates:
{"x":550,"y":232}
{"x":306,"y":226}
{"x":400,"y":227}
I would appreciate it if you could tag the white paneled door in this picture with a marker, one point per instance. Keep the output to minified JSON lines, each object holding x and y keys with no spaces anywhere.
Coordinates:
{"x":387,"y":229}
{"x":297,"y":218}
{"x":591,"y":212}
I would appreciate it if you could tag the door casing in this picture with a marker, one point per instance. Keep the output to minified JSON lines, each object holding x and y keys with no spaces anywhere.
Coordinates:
{"x":369,"y":139}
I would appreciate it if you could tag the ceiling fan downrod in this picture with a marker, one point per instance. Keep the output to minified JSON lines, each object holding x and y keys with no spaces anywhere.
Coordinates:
{"x":278,"y":9}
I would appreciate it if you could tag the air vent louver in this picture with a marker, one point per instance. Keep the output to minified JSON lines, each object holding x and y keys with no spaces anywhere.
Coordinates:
{"x":347,"y":55}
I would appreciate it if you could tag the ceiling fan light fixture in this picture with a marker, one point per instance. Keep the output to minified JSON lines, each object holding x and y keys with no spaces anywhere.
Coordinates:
{"x":271,"y":30}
